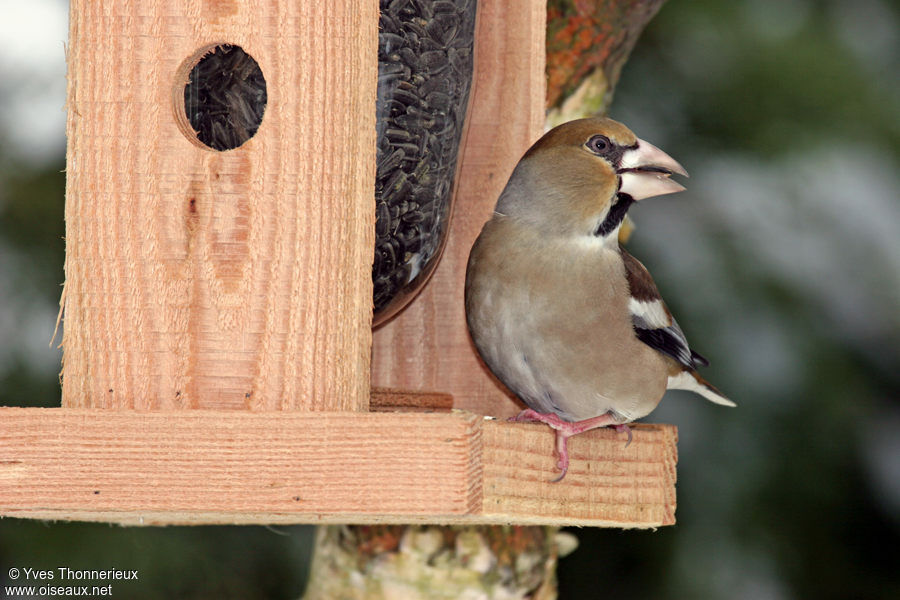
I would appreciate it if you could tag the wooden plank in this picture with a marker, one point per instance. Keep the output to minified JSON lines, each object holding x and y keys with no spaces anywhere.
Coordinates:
{"x":607,"y":485}
{"x":196,"y":462}
{"x":387,"y":399}
{"x":203,"y":279}
{"x":171,"y":467}
{"x":427,"y":346}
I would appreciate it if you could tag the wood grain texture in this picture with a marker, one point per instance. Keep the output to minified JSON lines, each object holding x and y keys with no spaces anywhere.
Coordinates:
{"x":607,"y":485}
{"x":386,"y":399}
{"x":203,"y":279}
{"x":427,"y":346}
{"x":202,"y":466}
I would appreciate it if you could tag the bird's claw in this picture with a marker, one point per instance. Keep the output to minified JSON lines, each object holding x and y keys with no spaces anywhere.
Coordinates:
{"x":560,"y":478}
{"x":624,"y":427}
{"x":562,"y":450}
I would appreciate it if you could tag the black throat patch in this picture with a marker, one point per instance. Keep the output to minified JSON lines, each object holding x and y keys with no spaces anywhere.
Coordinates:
{"x":615,"y":215}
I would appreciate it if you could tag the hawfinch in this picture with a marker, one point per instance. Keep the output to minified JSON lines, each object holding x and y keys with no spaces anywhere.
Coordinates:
{"x":567,"y":319}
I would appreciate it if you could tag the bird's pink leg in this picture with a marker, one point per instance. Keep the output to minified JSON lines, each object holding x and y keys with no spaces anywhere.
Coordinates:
{"x":566,"y":429}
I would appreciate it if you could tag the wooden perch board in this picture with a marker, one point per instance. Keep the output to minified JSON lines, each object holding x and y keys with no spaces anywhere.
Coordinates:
{"x":200,"y":466}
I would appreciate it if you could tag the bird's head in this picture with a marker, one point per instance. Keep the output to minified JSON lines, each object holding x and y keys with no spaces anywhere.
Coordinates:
{"x":581,"y":177}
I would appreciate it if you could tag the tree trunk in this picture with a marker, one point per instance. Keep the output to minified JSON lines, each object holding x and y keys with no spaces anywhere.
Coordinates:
{"x":416,"y":562}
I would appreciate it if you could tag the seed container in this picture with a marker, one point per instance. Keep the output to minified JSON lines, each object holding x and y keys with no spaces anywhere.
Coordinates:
{"x":425,"y":52}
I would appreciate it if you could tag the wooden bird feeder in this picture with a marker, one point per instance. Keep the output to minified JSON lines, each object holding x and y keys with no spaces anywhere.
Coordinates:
{"x":218,"y":305}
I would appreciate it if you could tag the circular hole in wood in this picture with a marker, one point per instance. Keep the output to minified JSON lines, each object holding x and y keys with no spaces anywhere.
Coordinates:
{"x":224,"y":98}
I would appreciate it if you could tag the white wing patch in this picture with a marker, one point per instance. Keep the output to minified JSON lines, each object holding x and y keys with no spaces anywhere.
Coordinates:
{"x":652,"y":313}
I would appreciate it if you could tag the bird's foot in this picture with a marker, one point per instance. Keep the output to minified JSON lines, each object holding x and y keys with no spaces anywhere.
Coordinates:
{"x":566,"y":429}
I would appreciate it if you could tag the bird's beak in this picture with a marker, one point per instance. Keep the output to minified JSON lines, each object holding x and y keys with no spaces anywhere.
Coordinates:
{"x":645,"y":171}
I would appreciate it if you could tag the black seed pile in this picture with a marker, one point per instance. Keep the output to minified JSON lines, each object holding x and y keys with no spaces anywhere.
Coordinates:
{"x":225,"y":97}
{"x":424,"y":76}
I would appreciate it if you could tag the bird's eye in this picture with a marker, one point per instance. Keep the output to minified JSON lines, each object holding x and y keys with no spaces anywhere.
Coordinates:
{"x":599,"y":144}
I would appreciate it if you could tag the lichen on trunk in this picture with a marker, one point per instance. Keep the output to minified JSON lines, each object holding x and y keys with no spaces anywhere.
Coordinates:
{"x":418,"y":562}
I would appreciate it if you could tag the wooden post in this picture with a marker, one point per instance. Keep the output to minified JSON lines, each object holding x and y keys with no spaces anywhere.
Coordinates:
{"x":205,"y":279}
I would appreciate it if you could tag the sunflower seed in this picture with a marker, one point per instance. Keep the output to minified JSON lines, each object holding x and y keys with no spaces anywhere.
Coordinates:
{"x":424,"y":76}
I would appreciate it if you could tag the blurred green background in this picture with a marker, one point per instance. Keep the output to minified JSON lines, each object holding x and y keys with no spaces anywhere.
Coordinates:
{"x":781,"y":261}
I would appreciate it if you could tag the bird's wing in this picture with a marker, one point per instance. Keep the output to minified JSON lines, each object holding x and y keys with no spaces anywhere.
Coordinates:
{"x":652,"y":321}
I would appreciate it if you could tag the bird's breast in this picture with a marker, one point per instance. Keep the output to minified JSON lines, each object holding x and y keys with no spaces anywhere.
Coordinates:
{"x":550,"y":319}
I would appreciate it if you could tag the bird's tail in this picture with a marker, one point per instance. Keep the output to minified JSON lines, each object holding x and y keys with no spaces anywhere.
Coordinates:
{"x":694,"y":382}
